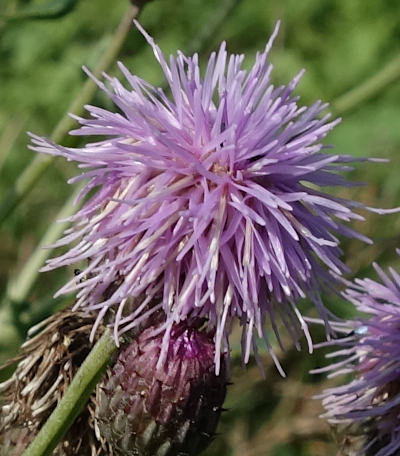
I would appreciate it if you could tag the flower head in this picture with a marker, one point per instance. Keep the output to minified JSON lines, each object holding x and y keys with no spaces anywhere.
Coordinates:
{"x":208,"y":203}
{"x":47,"y":362}
{"x":372,"y":354}
{"x":171,"y":410}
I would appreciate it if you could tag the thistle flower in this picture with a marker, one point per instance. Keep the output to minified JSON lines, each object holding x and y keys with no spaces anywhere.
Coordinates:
{"x":372,"y":354}
{"x":144,"y":410}
{"x":46,"y":366}
{"x":209,"y":202}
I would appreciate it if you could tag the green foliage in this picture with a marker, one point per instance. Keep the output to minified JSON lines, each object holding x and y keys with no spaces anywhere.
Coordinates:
{"x":341,"y":43}
{"x":52,"y":9}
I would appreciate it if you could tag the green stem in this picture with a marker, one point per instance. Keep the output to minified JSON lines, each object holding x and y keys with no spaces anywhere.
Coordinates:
{"x":9,"y":136}
{"x":368,"y":89}
{"x":74,"y":399}
{"x":19,"y":288}
{"x":41,"y":162}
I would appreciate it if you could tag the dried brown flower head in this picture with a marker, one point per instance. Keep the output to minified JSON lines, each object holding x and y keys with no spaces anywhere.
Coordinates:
{"x":46,"y":366}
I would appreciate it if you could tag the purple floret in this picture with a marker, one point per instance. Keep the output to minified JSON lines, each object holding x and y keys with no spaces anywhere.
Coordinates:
{"x":208,"y":203}
{"x":371,"y":353}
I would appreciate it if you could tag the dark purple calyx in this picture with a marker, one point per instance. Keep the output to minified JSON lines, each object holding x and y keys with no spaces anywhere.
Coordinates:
{"x":172,"y":410}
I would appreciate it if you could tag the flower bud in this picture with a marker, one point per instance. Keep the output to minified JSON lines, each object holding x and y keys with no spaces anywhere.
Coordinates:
{"x":145,"y":410}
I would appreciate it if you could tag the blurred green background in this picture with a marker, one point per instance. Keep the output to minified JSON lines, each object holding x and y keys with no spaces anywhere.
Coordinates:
{"x":342,"y":44}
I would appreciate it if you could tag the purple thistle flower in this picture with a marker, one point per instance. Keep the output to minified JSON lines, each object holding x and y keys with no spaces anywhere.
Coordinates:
{"x":372,"y":354}
{"x":208,"y":203}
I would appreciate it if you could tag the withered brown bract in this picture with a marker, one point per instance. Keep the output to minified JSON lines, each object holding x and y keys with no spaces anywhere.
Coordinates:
{"x":46,"y":366}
